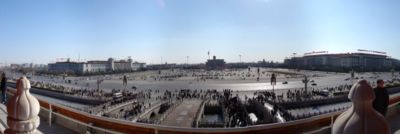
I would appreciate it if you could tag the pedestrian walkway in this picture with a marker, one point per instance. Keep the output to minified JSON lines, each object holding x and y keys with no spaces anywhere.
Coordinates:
{"x":147,"y":111}
{"x":183,"y":115}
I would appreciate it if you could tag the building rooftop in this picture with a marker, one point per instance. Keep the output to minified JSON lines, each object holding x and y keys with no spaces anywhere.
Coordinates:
{"x":70,"y":62}
{"x":344,"y":54}
{"x":98,"y":62}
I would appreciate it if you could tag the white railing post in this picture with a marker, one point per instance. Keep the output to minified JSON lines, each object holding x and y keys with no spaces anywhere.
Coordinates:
{"x":22,"y":110}
{"x":361,"y":118}
{"x":89,"y":128}
{"x":50,"y":116}
{"x":155,"y":131}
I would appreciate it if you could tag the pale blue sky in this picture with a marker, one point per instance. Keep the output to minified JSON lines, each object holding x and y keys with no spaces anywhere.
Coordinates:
{"x":41,"y":31}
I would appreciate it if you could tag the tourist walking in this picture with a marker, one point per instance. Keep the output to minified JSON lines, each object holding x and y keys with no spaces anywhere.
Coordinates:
{"x":381,"y":101}
{"x":3,"y":87}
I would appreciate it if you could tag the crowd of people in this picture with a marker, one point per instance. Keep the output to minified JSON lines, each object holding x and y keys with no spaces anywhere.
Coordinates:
{"x":130,"y":104}
{"x":300,"y":98}
{"x":80,"y":92}
{"x":128,"y":112}
{"x":227,"y":74}
{"x":121,"y":97}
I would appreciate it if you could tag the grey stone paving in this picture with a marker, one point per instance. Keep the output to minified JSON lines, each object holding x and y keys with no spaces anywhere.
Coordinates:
{"x":183,"y":115}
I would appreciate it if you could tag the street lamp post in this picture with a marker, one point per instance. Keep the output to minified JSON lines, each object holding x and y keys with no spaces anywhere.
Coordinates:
{"x":98,"y":83}
{"x":352,"y":76}
{"x":305,"y":81}
{"x":392,"y":70}
{"x":273,"y":82}
{"x":208,"y":55}
{"x":187,"y":60}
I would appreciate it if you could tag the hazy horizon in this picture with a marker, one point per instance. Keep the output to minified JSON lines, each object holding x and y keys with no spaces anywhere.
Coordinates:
{"x":45,"y":30}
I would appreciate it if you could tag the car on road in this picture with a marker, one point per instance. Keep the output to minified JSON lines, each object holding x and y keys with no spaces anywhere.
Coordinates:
{"x":324,"y":92}
{"x":314,"y":84}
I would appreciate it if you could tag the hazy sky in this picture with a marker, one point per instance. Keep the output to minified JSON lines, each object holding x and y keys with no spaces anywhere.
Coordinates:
{"x":41,"y":31}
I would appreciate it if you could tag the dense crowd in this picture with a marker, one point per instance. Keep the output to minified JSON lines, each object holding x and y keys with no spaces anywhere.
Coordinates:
{"x":81,"y":92}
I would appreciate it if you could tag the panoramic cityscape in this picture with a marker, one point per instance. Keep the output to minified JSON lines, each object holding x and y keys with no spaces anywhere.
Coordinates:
{"x":200,"y":66}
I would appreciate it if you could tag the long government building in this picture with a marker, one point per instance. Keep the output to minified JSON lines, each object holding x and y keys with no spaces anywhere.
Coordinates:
{"x":362,"y":60}
{"x":110,"y":65}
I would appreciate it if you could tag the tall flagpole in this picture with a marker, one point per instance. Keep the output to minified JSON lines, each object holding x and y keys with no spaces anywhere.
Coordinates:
{"x":208,"y":55}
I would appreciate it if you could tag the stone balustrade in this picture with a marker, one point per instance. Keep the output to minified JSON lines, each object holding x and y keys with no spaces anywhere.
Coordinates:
{"x":82,"y":121}
{"x":22,"y":110}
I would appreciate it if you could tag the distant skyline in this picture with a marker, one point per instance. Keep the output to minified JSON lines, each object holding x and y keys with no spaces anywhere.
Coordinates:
{"x":42,"y":31}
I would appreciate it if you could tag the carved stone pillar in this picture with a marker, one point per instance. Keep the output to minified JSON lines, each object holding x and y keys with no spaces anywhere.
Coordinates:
{"x":22,"y":110}
{"x":361,"y":118}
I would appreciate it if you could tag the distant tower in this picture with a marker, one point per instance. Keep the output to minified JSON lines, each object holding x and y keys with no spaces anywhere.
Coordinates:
{"x":111,"y":64}
{"x":187,"y":60}
{"x":130,"y":59}
{"x":130,"y":62}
